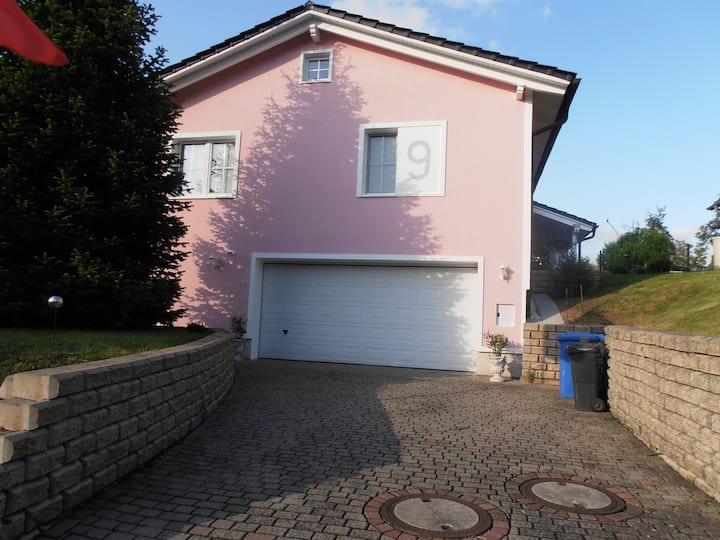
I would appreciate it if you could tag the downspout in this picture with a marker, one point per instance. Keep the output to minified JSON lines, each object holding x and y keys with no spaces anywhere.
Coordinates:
{"x":592,"y":235}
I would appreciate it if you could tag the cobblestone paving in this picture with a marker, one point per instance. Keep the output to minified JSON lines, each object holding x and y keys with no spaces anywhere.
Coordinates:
{"x":298,"y":449}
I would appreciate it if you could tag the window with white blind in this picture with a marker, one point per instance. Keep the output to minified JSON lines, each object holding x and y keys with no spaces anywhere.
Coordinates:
{"x":404,"y":159}
{"x":209,"y":163}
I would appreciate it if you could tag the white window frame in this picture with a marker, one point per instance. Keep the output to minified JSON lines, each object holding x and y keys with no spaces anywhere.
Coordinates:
{"x":307,"y":57}
{"x":385,"y":128}
{"x":209,"y":138}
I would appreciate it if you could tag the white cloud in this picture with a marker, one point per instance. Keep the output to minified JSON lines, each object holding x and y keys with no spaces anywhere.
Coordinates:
{"x":426,"y":15}
{"x":405,"y":13}
{"x":494,"y":45}
{"x":474,"y":8}
{"x":547,"y":13}
{"x":464,"y":4}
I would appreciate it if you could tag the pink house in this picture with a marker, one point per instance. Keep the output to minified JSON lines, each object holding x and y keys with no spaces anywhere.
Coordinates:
{"x":362,"y":192}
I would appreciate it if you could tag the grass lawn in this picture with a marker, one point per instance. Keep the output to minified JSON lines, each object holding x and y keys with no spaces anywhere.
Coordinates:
{"x":683,"y":303}
{"x":26,"y":349}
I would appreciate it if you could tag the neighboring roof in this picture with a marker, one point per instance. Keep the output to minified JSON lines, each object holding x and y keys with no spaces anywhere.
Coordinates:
{"x":563,"y":217}
{"x":373,"y":23}
{"x":553,"y":88}
{"x":715,"y":207}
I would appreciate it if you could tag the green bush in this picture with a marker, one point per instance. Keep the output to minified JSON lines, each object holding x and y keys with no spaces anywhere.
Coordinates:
{"x":641,"y":251}
{"x":571,"y":274}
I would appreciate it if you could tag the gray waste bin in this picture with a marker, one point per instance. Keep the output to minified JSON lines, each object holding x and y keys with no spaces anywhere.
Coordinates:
{"x":587,"y":363}
{"x":565,"y":339}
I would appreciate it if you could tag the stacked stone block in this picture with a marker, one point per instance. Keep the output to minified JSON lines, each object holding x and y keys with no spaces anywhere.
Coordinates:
{"x":541,"y":352}
{"x":666,"y":388}
{"x":68,"y":432}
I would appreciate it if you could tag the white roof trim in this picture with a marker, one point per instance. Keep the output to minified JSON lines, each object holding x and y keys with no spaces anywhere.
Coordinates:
{"x":239,"y":52}
{"x":436,"y":54}
{"x":562,"y":218}
{"x":462,"y":61}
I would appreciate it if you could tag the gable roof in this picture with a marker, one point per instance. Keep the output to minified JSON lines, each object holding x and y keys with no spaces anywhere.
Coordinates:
{"x":563,"y":218}
{"x":370,"y":23}
{"x":554,"y":229}
{"x":553,"y":88}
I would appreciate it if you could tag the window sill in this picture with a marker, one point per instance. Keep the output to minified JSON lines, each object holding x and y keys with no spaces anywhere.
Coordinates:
{"x":213,"y":196}
{"x":395,"y":195}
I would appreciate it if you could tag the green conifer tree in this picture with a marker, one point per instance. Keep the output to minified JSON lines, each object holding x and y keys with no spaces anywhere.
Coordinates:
{"x":86,"y":175}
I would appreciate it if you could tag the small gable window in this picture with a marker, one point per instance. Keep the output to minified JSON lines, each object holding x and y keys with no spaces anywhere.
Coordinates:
{"x":316,"y":66}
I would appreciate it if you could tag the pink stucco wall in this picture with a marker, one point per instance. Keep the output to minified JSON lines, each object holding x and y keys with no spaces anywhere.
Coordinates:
{"x":298,"y":171}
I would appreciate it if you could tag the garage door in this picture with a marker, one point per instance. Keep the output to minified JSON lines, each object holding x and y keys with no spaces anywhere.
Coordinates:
{"x":394,"y":316}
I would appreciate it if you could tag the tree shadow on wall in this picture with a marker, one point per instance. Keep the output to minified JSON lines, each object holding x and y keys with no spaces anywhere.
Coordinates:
{"x":297,"y":194}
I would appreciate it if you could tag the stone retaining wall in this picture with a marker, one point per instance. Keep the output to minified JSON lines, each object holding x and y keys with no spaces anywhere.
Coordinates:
{"x":541,"y":354}
{"x":543,"y":281}
{"x":68,"y":432}
{"x":666,"y":388}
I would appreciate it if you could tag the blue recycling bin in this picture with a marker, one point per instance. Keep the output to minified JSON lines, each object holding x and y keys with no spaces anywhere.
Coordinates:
{"x":566,"y":380}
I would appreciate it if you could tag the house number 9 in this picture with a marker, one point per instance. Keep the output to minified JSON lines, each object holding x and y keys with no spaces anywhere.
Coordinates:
{"x":419,"y":153}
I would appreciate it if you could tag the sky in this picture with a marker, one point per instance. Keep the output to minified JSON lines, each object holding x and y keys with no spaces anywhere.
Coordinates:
{"x":644,"y":127}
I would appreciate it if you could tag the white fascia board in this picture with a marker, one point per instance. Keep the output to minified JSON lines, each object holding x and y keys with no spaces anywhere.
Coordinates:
{"x":560,"y":218}
{"x":436,"y":54}
{"x":512,"y":75}
{"x":239,"y":53}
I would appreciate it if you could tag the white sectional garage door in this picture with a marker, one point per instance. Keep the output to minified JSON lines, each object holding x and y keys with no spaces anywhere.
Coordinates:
{"x":423,"y":317}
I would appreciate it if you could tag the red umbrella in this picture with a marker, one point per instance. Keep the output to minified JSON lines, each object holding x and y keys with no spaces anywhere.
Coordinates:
{"x":20,"y":34}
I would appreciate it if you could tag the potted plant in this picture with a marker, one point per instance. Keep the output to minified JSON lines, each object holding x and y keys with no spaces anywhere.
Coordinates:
{"x":238,"y":323}
{"x":496,"y":343}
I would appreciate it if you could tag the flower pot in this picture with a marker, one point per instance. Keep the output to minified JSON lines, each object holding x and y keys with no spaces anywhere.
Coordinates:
{"x":497,"y":366}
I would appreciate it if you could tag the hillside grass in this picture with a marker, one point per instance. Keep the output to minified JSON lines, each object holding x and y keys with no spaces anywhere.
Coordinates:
{"x":683,"y":303}
{"x":28,"y":349}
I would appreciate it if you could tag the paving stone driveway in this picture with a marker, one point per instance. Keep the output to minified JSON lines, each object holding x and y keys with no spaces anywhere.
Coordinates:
{"x":298,"y":449}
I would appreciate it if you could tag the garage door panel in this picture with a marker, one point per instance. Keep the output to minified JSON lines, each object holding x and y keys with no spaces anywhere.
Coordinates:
{"x":420,"y":317}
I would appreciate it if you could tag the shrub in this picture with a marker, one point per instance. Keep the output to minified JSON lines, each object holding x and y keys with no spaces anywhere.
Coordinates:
{"x":571,"y":274}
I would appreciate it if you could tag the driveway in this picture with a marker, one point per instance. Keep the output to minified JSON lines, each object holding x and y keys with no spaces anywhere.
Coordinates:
{"x":306,"y":450}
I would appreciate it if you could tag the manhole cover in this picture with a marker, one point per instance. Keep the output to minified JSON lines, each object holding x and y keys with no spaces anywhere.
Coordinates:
{"x":573,"y":497}
{"x":436,"y":514}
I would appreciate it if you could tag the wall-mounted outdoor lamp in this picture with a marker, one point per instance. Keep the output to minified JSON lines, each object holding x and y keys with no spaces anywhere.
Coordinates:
{"x":216,"y":263}
{"x":504,"y":273}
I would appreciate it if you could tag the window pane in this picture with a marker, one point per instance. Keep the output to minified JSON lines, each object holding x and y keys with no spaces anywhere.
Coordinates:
{"x":381,"y":164}
{"x":194,"y":165}
{"x":317,"y":69}
{"x":222,"y":167}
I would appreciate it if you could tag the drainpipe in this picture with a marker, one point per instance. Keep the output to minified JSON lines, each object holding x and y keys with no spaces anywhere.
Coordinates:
{"x":590,"y":237}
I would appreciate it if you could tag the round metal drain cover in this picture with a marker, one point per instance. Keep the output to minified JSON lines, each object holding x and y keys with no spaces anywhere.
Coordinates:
{"x":573,"y":497}
{"x":436,"y":514}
